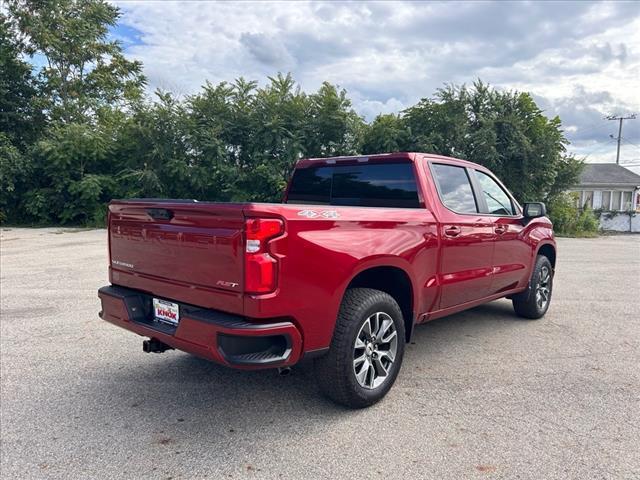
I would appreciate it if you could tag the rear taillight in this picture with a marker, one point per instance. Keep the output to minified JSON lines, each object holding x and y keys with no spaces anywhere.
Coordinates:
{"x":261,"y":269}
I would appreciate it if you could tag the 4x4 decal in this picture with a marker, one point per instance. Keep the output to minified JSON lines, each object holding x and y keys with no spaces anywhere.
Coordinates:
{"x":329,"y":214}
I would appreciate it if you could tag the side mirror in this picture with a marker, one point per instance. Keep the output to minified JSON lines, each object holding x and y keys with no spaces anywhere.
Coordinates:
{"x":534,"y":210}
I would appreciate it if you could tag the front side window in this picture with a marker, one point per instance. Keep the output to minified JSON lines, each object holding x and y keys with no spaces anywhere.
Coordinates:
{"x":455,"y":188}
{"x":370,"y":185}
{"x":497,"y":199}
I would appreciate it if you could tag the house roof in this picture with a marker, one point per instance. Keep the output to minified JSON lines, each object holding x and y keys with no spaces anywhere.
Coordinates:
{"x":635,"y":167}
{"x":608,"y":174}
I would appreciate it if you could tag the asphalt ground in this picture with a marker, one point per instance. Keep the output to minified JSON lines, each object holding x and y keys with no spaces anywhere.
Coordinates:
{"x":481,"y":394}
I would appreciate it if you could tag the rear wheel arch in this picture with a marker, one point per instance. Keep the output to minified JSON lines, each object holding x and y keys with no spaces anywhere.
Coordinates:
{"x":392,"y":280}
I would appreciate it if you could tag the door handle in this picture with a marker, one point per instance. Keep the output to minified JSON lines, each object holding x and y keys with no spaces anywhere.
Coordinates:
{"x":452,"y":231}
{"x":500,"y":229}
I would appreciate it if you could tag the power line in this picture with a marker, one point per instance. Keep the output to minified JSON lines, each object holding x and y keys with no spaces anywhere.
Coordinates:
{"x":630,"y":143}
{"x":598,"y":147}
{"x":587,"y":129}
{"x":620,"y":119}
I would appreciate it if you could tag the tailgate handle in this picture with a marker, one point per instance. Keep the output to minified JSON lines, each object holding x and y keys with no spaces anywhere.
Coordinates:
{"x":160,"y":213}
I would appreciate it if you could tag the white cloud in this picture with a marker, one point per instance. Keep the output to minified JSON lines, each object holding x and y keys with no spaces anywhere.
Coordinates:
{"x":580,"y":60}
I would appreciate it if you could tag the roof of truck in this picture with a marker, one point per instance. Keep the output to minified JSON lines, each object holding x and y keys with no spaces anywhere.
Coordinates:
{"x":381,"y":157}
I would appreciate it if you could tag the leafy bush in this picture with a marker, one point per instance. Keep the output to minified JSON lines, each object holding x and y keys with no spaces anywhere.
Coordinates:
{"x":588,"y":223}
{"x":14,"y":171}
{"x":568,"y":220}
{"x":75,"y":178}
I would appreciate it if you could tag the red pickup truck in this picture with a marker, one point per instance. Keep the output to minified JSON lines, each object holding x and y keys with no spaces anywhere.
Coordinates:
{"x":360,"y":250}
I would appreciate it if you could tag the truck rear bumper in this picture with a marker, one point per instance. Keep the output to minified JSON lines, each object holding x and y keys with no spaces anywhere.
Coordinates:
{"x":221,"y":337}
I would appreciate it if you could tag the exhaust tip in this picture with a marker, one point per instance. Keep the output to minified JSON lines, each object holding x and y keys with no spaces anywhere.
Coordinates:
{"x":284,"y":371}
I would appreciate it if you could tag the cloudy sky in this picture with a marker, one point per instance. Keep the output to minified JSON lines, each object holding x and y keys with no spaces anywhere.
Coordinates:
{"x":580,"y":60}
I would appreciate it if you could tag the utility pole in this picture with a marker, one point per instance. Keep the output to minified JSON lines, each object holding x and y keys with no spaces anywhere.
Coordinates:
{"x":620,"y":119}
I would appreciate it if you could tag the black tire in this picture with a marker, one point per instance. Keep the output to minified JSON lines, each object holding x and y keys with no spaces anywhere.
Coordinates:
{"x":336,"y":371}
{"x":528,"y":304}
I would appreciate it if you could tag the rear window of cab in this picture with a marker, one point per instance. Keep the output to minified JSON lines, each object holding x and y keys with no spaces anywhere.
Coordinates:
{"x":371,"y":185}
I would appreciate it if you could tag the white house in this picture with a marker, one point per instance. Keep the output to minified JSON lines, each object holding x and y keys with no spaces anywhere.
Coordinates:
{"x":615,"y":191}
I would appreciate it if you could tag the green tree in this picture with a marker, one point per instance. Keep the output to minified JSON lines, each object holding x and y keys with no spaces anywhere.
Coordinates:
{"x":85,"y":72}
{"x":76,"y":180}
{"x":387,"y":133}
{"x":15,"y":170}
{"x":334,"y":127}
{"x":19,"y":116}
{"x":84,"y":89}
{"x":154,"y":151}
{"x":20,"y":121}
{"x":246,"y":139}
{"x":503,"y":130}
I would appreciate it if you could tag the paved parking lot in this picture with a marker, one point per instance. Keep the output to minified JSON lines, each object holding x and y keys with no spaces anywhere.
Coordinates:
{"x":481,"y":394}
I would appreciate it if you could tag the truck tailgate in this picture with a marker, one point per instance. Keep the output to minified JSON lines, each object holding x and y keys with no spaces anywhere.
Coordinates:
{"x":188,"y":246}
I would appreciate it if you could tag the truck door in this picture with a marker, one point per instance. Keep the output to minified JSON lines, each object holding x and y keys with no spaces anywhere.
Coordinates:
{"x":511,"y":253}
{"x":467,"y":238}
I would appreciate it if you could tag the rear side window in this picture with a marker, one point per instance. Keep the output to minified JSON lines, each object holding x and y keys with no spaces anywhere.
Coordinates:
{"x":311,"y":185}
{"x":371,"y":185}
{"x":454,"y":187}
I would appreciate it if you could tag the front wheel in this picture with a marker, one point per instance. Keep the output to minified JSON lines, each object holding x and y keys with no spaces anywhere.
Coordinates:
{"x":534,"y":302}
{"x":366,"y":350}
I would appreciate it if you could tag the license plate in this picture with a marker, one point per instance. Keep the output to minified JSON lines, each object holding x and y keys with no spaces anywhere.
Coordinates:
{"x":166,"y":312}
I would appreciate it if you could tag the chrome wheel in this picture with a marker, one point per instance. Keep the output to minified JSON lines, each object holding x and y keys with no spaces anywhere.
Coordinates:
{"x":543,"y":288}
{"x":374,"y":350}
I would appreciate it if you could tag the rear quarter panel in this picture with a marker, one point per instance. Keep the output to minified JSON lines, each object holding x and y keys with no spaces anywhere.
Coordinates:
{"x":325,"y":247}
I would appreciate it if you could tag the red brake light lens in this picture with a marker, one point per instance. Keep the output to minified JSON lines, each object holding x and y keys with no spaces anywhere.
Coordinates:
{"x":260,"y":273}
{"x":261,"y":269}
